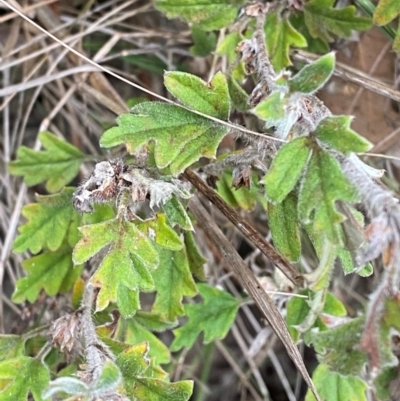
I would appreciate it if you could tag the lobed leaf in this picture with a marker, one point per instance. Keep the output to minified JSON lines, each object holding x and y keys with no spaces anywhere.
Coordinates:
{"x":52,"y":271}
{"x":135,"y":333}
{"x":160,"y":232}
{"x":313,"y":76}
{"x":286,"y":169}
{"x":209,"y":98}
{"x":215,"y":317}
{"x":125,"y":268}
{"x":23,"y":375}
{"x":323,"y":20}
{"x":173,"y":281}
{"x":57,"y":165}
{"x":181,"y":137}
{"x":140,"y":383}
{"x":210,"y":15}
{"x":48,"y":223}
{"x":332,"y":386}
{"x":322,"y":185}
{"x":335,"y":132}
{"x":282,"y":219}
{"x":280,"y":36}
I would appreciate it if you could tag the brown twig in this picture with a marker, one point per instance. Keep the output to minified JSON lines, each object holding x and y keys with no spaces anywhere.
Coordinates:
{"x":245,"y":228}
{"x":249,"y":281}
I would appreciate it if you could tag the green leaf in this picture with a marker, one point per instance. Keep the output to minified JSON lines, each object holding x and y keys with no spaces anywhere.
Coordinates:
{"x":314,"y":45}
{"x":195,"y":258}
{"x":210,"y":15}
{"x":322,"y":185}
{"x":108,"y":380}
{"x":125,"y":268}
{"x":215,"y":317}
{"x":228,"y":45}
{"x":333,"y":306}
{"x":386,"y":11}
{"x":280,"y":36}
{"x":272,"y":109}
{"x":48,"y":222}
{"x":153,"y":321}
{"x":209,"y":98}
{"x":238,"y":95}
{"x":176,"y":214}
{"x":322,"y":20}
{"x":50,"y":271}
{"x":11,"y":346}
{"x":23,"y":375}
{"x":243,"y":198}
{"x":286,"y":169}
{"x":335,"y":132}
{"x":136,"y":333}
{"x":158,"y":231}
{"x":332,"y":386}
{"x":173,"y":281}
{"x":139,"y":381}
{"x":313,"y":76}
{"x":282,"y":219}
{"x":204,"y":42}
{"x":339,"y":347}
{"x":298,"y":308}
{"x":58,"y":164}
{"x":181,"y":136}
{"x":382,"y":383}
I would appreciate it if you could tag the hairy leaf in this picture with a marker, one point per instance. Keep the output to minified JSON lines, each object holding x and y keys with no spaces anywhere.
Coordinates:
{"x":286,"y":169}
{"x":158,"y":231}
{"x":48,"y":222}
{"x":57,"y":165}
{"x":313,"y":76}
{"x":339,"y":347}
{"x":22,"y":375}
{"x":125,"y":268}
{"x":282,"y":219}
{"x":195,"y":258}
{"x":173,"y":281}
{"x":237,"y":198}
{"x":52,"y":271}
{"x":181,"y":137}
{"x":386,"y":11}
{"x":204,"y":42}
{"x":272,"y":109}
{"x":322,"y":185}
{"x":135,"y":333}
{"x":176,"y":214}
{"x":323,"y":20}
{"x":299,"y":308}
{"x":335,"y":132}
{"x":209,"y":98}
{"x":210,"y":15}
{"x":11,"y":346}
{"x":139,"y":381}
{"x":215,"y":317}
{"x":280,"y":36}
{"x":332,"y":386}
